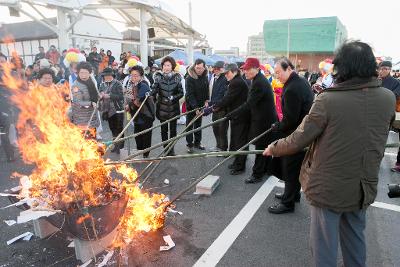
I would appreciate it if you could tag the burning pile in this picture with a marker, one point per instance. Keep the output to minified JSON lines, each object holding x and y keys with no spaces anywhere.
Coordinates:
{"x":69,"y":172}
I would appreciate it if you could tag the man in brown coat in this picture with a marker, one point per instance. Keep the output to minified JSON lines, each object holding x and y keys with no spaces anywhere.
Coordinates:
{"x":346,"y":131}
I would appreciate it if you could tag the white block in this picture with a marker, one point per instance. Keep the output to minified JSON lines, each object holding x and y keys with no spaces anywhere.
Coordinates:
{"x":207,"y":185}
{"x":43,"y":228}
{"x":85,"y":250}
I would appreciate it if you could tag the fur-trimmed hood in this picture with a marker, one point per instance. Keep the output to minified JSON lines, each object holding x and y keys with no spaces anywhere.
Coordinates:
{"x":192,"y":73}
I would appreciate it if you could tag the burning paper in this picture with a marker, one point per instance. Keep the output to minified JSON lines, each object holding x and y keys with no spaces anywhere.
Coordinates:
{"x":70,"y":172}
{"x":169,"y":242}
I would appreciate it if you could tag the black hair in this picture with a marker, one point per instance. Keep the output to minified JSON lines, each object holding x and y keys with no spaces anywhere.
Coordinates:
{"x":199,"y":61}
{"x":45,"y":71}
{"x":29,"y":67}
{"x":84,"y":65}
{"x":109,"y":51}
{"x":170,"y":60}
{"x":138,"y":69}
{"x":354,"y":59}
{"x":3,"y":56}
{"x":285,"y":63}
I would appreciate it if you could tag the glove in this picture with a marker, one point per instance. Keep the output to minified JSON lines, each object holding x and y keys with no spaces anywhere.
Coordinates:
{"x":207,"y":111}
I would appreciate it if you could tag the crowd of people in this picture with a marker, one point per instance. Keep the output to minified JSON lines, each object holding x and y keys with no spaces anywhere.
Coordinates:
{"x":325,"y":112}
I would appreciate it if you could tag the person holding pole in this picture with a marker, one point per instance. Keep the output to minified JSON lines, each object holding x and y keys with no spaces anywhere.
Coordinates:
{"x":139,"y":88}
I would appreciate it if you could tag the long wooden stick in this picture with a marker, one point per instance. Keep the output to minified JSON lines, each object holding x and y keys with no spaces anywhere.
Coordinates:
{"x":188,"y":156}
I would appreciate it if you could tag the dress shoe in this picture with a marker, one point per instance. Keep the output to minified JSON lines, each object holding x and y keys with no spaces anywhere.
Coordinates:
{"x":190,"y":150}
{"x":280,"y":195}
{"x":236,"y":172}
{"x":252,"y":180}
{"x":200,"y":146}
{"x":280,"y":208}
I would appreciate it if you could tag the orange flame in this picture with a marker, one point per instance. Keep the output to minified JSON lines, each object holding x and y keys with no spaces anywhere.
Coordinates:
{"x":69,"y":170}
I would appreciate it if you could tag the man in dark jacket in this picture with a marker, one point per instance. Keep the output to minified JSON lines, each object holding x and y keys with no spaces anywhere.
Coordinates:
{"x":218,"y":86}
{"x":393,"y":85}
{"x":260,"y":103}
{"x":196,"y":96}
{"x":346,"y":131}
{"x":95,"y":59}
{"x":297,"y":99}
{"x":235,"y":96}
{"x":112,"y":105}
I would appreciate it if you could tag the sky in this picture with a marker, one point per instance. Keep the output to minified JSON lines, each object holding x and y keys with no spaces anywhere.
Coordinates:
{"x":228,"y":23}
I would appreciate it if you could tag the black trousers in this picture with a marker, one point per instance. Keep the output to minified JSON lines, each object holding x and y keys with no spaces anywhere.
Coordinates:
{"x":5,"y":141}
{"x":143,"y":141}
{"x":291,"y":166}
{"x":116,"y":124}
{"x":164,"y":130}
{"x":195,"y":125}
{"x":239,"y":134}
{"x":221,"y":130}
{"x":398,"y":154}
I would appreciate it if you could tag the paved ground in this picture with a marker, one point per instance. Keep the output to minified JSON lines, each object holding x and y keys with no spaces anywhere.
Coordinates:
{"x":230,"y":228}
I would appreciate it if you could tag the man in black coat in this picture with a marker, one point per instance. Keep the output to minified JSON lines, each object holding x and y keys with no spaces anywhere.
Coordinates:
{"x":235,"y":96}
{"x":218,"y":86}
{"x":297,"y":99}
{"x":197,"y":94}
{"x":393,"y":85}
{"x":260,"y":103}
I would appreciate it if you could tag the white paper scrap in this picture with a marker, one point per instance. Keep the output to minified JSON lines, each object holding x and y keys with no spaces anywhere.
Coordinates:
{"x":10,"y":222}
{"x":168,"y":240}
{"x":28,"y":237}
{"x":174,"y":211}
{"x":19,"y":203}
{"x":106,"y":258}
{"x":7,"y":195}
{"x":71,"y":245}
{"x":9,"y":242}
{"x":16,"y":189}
{"x":166,"y":181}
{"x":28,"y":215}
{"x":86,"y":263}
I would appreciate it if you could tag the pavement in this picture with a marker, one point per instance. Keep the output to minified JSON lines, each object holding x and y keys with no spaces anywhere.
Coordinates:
{"x":232,"y":227}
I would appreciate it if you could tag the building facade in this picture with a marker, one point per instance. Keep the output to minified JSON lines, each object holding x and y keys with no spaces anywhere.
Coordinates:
{"x":256,"y":48}
{"x":307,"y":41}
{"x":231,"y":52}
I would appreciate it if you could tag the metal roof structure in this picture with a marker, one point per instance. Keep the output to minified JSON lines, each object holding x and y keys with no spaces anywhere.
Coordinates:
{"x":134,"y":14}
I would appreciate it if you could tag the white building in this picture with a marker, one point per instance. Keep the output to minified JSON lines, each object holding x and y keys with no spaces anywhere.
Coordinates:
{"x":256,"y":47}
{"x":232,"y":52}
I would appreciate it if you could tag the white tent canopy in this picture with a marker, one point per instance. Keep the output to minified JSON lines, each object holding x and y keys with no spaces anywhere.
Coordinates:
{"x":133,"y":14}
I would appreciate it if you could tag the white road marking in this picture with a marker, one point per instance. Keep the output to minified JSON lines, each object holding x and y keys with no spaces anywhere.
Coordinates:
{"x":386,"y":206}
{"x":225,"y":240}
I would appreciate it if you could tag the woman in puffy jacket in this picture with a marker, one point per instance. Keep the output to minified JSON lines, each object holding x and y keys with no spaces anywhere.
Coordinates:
{"x":168,"y":90}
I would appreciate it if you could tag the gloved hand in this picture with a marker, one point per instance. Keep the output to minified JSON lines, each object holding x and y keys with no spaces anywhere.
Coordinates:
{"x":207,"y":111}
{"x":275,"y":126}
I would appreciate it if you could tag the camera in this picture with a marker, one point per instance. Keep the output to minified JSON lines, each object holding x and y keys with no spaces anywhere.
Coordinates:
{"x":394,"y":190}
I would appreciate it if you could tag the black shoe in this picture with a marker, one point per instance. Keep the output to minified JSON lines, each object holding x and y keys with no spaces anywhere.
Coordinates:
{"x":280,"y":195}
{"x":252,"y":180}
{"x":190,"y":150}
{"x":171,"y":153}
{"x":200,"y":146}
{"x":237,"y":172}
{"x":280,"y":208}
{"x":231,"y":166}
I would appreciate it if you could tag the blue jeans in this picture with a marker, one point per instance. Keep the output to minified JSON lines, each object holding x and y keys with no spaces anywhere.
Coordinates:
{"x":327,"y":228}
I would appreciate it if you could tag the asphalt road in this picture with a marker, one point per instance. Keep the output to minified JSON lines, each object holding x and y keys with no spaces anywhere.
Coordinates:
{"x":219,"y":229}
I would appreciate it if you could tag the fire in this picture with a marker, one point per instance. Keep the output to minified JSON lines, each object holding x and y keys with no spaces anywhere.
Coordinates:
{"x":69,"y":170}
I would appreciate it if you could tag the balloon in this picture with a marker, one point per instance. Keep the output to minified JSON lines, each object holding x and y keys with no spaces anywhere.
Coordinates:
{"x":180,"y":62}
{"x":182,"y":70}
{"x":178,"y":67}
{"x":76,"y":50}
{"x":72,"y":57}
{"x":132,"y":62}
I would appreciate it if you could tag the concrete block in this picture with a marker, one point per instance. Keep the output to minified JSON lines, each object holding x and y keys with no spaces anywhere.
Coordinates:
{"x":43,"y":228}
{"x":85,"y":250}
{"x":207,"y":185}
